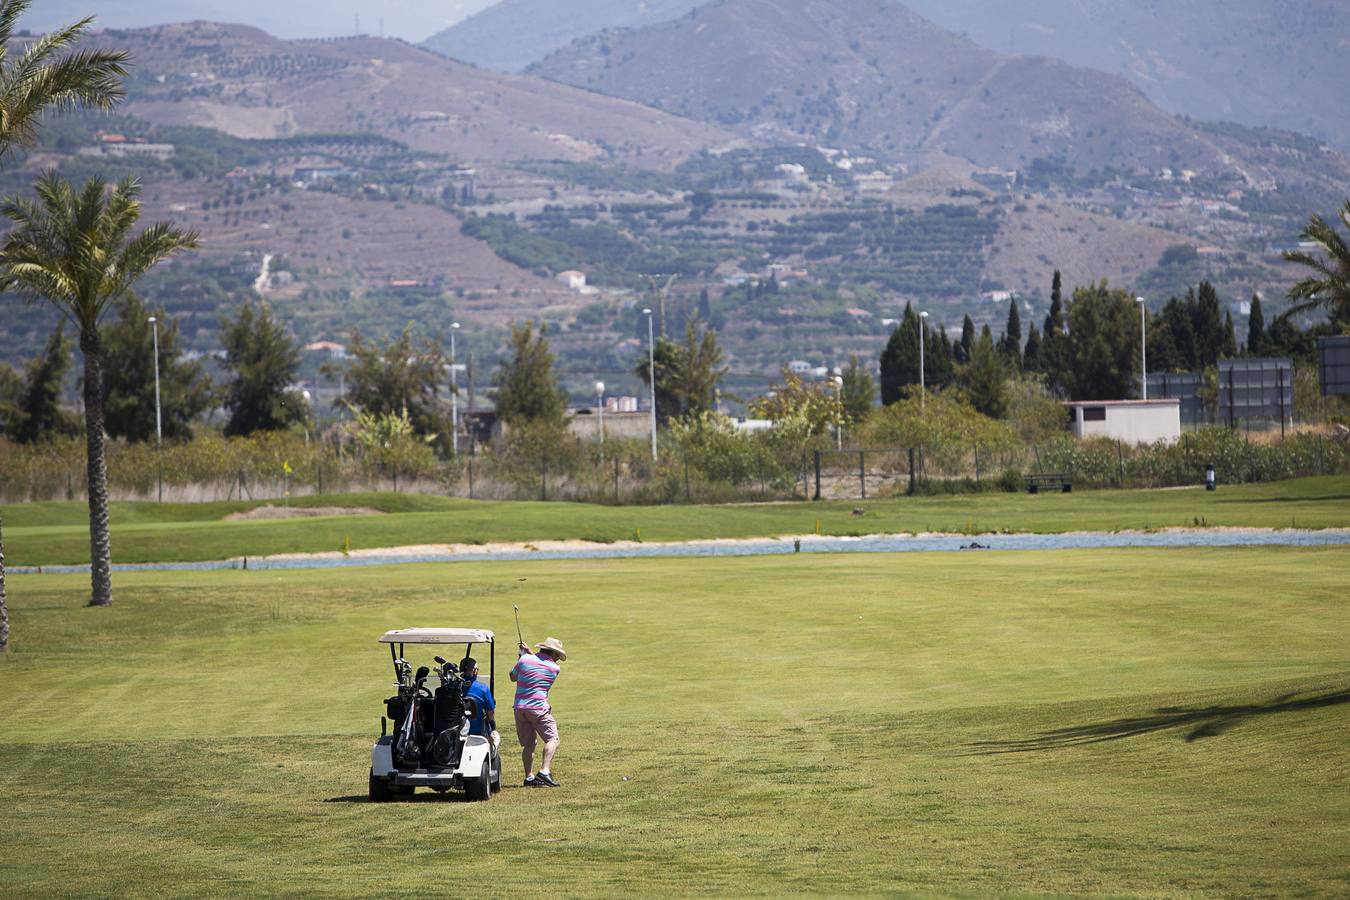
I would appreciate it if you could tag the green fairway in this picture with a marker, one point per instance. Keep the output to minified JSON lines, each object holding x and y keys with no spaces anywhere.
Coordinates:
{"x":1125,"y":722}
{"x":56,"y":533}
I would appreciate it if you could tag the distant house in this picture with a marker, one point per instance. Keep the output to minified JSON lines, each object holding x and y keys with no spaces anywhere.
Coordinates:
{"x":574,"y":280}
{"x":312,"y":174}
{"x":1128,"y":421}
{"x":879,"y":182}
{"x":117,"y":145}
{"x":860,"y":315}
{"x":800,"y":367}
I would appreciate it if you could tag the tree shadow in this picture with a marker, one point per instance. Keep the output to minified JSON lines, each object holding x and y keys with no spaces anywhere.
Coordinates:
{"x":1199,"y":722}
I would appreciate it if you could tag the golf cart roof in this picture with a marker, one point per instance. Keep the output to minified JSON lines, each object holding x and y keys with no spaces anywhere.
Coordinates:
{"x":437,"y":636}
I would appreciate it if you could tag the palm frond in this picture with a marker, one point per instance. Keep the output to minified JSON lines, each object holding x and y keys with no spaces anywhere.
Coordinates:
{"x":10,"y":13}
{"x":88,"y":78}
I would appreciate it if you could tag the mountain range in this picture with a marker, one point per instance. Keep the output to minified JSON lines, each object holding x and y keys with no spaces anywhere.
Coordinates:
{"x":875,"y":75}
{"x":242,"y":81}
{"x":510,"y":35}
{"x":1280,"y":63}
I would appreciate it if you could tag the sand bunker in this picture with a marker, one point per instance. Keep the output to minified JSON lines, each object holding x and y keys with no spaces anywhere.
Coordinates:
{"x":300,"y":512}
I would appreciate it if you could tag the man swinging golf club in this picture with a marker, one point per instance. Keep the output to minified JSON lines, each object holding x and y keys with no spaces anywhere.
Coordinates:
{"x":533,"y":674}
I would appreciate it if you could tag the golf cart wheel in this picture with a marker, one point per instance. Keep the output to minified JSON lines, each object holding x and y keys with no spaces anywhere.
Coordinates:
{"x":480,"y":788}
{"x":379,"y":789}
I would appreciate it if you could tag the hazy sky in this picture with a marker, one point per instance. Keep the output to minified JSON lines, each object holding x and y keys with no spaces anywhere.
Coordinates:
{"x":412,"y":20}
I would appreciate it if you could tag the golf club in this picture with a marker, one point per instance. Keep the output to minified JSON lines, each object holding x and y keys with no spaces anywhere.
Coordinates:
{"x":517,"y":612}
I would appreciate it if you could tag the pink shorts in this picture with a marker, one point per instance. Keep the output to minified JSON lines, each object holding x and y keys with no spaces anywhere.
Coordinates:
{"x":535,"y":723}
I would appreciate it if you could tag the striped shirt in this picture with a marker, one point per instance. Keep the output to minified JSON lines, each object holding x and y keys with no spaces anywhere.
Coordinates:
{"x":534,"y":676}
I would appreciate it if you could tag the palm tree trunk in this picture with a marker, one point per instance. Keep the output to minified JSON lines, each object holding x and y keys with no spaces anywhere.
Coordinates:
{"x":100,"y":549}
{"x":4,"y":607}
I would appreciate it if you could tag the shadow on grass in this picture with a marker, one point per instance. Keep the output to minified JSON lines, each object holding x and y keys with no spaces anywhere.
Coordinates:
{"x":1199,"y":722}
{"x":1318,"y":498}
{"x":423,"y":797}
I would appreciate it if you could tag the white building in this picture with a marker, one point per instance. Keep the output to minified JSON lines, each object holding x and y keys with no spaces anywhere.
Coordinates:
{"x":574,"y":280}
{"x":1130,"y":421}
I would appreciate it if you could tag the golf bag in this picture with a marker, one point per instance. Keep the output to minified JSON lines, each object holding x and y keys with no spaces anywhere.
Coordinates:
{"x":448,"y":723}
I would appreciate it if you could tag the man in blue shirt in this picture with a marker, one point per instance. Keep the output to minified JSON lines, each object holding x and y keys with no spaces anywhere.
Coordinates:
{"x":484,"y":704}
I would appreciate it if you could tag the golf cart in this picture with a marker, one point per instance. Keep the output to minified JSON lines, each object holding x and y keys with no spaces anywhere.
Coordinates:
{"x":430,"y":744}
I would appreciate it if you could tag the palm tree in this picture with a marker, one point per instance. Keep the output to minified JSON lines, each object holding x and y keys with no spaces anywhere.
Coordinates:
{"x":48,"y":75}
{"x":75,"y":250}
{"x":1329,"y":288}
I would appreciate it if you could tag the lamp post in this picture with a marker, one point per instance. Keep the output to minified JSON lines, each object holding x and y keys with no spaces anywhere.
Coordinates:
{"x":600,"y":407}
{"x":1143,"y":344}
{"x":309,"y":405}
{"x":923,"y":328}
{"x":651,"y":371}
{"x":454,"y":395}
{"x":159,"y":429}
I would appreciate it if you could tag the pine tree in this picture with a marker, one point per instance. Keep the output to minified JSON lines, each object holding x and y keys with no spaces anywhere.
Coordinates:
{"x":900,"y":359}
{"x":859,"y":392}
{"x":527,"y":385}
{"x":263,"y":361}
{"x":985,"y":379}
{"x":1256,"y":329}
{"x":129,"y":377}
{"x":1102,"y":362}
{"x":1230,"y":348}
{"x":38,"y":414}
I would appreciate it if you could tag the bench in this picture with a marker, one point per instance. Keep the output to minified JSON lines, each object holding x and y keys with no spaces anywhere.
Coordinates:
{"x":1062,"y":483}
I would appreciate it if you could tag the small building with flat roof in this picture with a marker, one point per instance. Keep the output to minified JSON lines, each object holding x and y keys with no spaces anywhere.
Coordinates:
{"x":1129,"y":421}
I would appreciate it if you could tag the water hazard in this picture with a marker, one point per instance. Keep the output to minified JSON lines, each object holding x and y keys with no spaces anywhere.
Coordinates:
{"x":764,"y":547}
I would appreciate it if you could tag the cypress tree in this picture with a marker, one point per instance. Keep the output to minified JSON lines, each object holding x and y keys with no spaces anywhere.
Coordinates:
{"x":1052,"y":337}
{"x":1230,"y":349}
{"x":967,"y":344}
{"x":1031,"y":357}
{"x":1011,"y":344}
{"x":1256,"y":328}
{"x":900,"y":359}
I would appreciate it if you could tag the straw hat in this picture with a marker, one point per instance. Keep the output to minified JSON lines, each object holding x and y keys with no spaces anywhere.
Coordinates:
{"x":556,"y":646}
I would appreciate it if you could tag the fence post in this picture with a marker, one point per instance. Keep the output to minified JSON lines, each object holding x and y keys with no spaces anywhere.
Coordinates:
{"x":862,"y":472}
{"x":616,"y":480}
{"x":911,"y":471}
{"x":977,"y":465}
{"x":816,"y":455}
{"x":543,"y":479}
{"x":470,"y":477}
{"x":1120,"y":463}
{"x":688,"y":498}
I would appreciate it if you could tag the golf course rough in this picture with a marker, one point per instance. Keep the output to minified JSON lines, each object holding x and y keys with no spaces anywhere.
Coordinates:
{"x":1125,"y":722}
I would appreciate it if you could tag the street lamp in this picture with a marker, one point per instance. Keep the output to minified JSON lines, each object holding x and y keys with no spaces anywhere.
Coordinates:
{"x":651,"y":371}
{"x":839,"y":426}
{"x":923,"y":328}
{"x":309,"y":405}
{"x":159,"y":429}
{"x":600,"y":407}
{"x":1143,"y":343}
{"x":454,"y":395}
